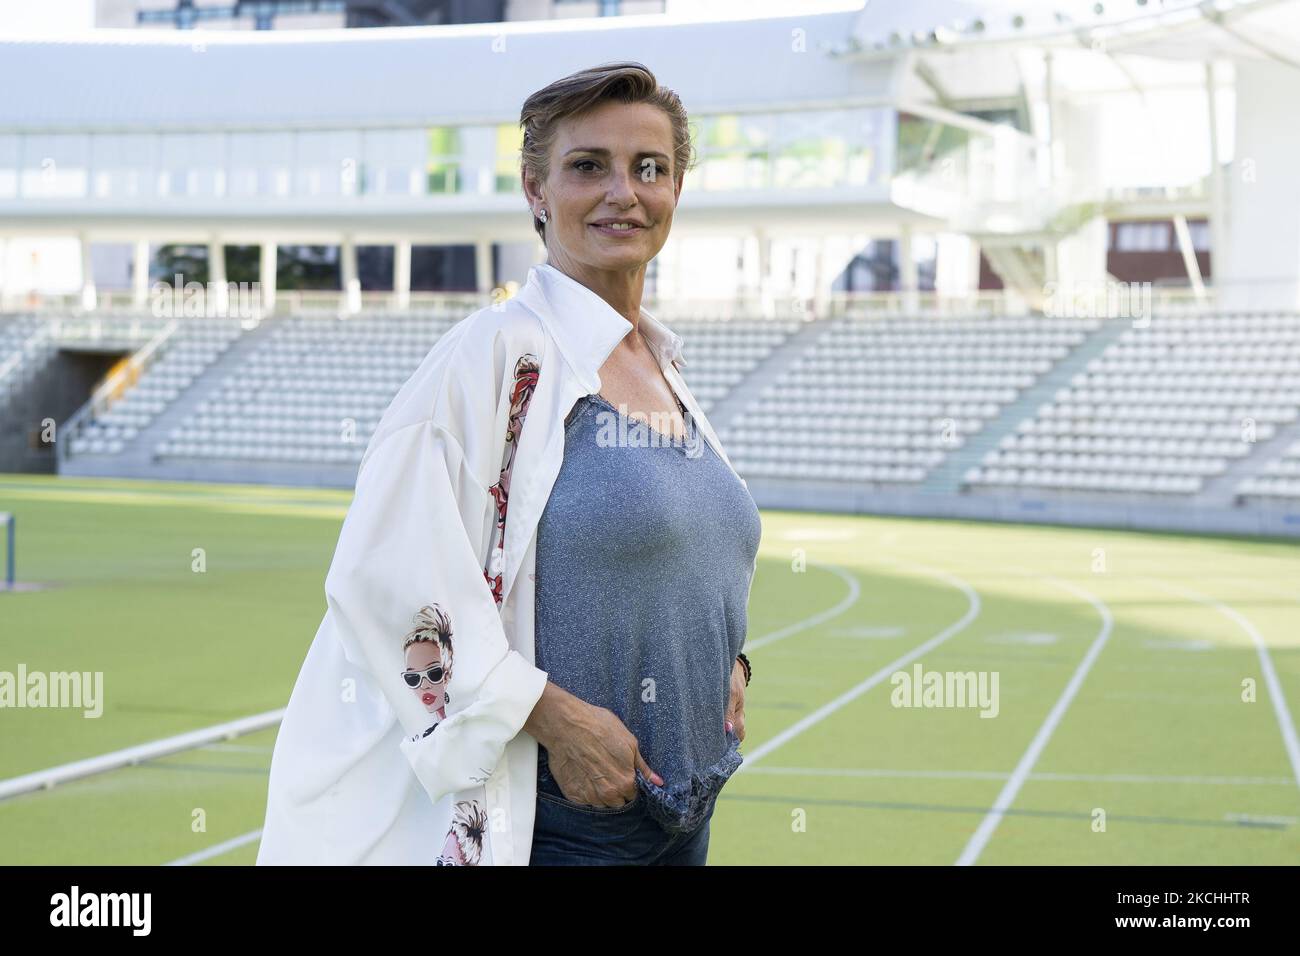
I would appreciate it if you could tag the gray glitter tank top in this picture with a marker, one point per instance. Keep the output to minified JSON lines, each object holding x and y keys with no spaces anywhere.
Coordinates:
{"x":645,"y":553}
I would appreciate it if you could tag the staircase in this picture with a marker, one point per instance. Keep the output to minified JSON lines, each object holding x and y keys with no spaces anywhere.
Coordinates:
{"x":946,"y":479}
{"x":750,"y":389}
{"x":1221,"y":491}
{"x":136,"y":460}
{"x":1021,"y":269}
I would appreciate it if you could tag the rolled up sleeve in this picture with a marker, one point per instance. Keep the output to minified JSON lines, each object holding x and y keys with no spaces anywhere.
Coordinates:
{"x":404,"y":546}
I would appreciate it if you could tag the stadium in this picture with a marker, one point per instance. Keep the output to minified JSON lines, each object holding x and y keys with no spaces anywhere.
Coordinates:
{"x":995,"y":305}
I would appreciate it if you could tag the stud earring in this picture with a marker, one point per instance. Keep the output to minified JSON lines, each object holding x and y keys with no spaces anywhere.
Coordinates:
{"x":542,"y":215}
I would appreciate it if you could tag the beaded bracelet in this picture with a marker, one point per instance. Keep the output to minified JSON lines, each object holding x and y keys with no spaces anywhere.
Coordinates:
{"x":744,"y":662}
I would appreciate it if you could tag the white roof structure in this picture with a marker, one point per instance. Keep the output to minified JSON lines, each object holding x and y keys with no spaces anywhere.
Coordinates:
{"x":147,"y":79}
{"x":853,"y":121}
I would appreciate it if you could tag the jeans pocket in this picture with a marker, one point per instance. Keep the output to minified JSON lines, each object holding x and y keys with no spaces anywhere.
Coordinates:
{"x":587,"y":808}
{"x":549,"y":790}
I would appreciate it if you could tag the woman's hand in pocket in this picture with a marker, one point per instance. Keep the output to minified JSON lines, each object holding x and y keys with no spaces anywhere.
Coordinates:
{"x":736,"y":707}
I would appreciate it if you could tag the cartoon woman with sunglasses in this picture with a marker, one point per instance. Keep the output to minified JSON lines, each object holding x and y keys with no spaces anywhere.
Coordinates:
{"x":428,"y":660}
{"x":428,"y":669}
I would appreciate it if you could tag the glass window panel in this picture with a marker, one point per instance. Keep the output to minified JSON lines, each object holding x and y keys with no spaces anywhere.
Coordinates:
{"x":55,"y":166}
{"x":442,"y":163}
{"x":510,"y":144}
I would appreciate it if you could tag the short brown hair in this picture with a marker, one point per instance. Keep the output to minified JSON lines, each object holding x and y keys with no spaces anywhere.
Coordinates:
{"x":627,"y":82}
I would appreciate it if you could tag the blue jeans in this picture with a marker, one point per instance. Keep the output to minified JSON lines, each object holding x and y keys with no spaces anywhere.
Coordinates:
{"x":572,"y":834}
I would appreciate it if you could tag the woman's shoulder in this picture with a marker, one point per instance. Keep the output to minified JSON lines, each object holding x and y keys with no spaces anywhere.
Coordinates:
{"x":460,"y":384}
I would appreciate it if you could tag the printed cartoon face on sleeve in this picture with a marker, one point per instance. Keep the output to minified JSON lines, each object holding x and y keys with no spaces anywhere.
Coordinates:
{"x":427,"y":648}
{"x":464,"y":843}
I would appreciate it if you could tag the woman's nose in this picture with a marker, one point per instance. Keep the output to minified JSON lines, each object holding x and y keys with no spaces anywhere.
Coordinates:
{"x":621,"y":187}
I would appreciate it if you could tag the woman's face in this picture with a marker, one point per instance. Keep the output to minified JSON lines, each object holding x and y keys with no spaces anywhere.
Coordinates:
{"x":613,"y":162}
{"x":420,"y":657}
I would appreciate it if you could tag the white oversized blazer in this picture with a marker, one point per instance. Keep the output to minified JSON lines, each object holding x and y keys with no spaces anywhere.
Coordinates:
{"x":358,"y":774}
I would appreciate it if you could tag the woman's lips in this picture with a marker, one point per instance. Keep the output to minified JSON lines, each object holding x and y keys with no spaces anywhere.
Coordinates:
{"x":617,"y":233}
{"x":428,"y":699}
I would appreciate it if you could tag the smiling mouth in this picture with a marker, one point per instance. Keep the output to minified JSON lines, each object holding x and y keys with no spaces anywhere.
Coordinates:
{"x":617,"y":229}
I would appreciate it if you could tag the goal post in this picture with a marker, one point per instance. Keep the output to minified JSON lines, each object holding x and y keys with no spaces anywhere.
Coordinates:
{"x":8,"y":521}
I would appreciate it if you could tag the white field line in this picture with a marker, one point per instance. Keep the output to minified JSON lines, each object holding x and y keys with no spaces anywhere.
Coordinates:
{"x":855,"y":590}
{"x":1012,"y":787}
{"x":1261,"y":589}
{"x":44,"y":779}
{"x":1284,"y":722}
{"x":218,"y":850}
{"x":817,"y":716}
{"x":881,"y":772}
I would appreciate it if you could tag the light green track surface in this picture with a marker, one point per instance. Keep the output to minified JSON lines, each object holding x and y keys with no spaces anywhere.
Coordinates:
{"x":1156,"y":735}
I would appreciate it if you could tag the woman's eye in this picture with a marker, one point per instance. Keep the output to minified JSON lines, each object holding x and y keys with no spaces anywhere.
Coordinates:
{"x":584,"y":162}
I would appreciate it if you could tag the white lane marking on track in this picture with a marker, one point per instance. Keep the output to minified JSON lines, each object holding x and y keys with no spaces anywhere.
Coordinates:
{"x":885,"y":633}
{"x":1260,"y":820}
{"x":855,"y":590}
{"x":817,"y":716}
{"x":218,"y":850}
{"x":880,"y":772}
{"x":1175,"y":645}
{"x":1012,"y":787}
{"x":1284,"y":722}
{"x":819,"y":534}
{"x":1030,"y":637}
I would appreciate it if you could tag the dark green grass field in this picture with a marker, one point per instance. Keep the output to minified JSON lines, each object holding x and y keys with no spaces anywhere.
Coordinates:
{"x":1121,"y":733}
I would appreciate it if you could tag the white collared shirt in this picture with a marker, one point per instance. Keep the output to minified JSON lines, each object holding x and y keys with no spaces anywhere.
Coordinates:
{"x":363,"y":770}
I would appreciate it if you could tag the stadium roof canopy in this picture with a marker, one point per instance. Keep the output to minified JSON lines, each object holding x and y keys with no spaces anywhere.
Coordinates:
{"x":960,"y":48}
{"x":480,"y":73}
{"x":956,"y":51}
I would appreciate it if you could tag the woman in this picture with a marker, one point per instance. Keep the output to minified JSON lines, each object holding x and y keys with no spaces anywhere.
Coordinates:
{"x":640,"y":597}
{"x":547,"y":499}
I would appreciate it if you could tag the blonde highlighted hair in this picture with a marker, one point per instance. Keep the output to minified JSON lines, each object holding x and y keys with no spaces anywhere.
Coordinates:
{"x":432,"y":625}
{"x":626,"y":82}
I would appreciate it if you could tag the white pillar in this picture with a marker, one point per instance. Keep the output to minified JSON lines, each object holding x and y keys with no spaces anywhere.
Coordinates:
{"x":266,"y":275}
{"x":1051,"y":135}
{"x":766,"y":300}
{"x":1183,"y":236}
{"x":89,"y":297}
{"x":140,"y":274}
{"x":1259,"y":264}
{"x":821,"y":285}
{"x":956,"y":271}
{"x":679,"y":267}
{"x":217,"y":276}
{"x":348,"y":268}
{"x":483,"y":278}
{"x":1218,"y":210}
{"x":402,"y":273}
{"x":907,"y":273}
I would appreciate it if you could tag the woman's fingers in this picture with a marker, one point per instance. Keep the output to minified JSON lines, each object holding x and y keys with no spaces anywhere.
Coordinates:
{"x":646,"y":772}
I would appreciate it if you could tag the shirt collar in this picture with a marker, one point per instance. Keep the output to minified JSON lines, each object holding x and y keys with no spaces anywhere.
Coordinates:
{"x":585,"y":326}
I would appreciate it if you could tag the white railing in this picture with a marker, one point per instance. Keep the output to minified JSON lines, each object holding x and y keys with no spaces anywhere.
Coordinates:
{"x":113,"y":387}
{"x":131,"y":756}
{"x":25,"y":361}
